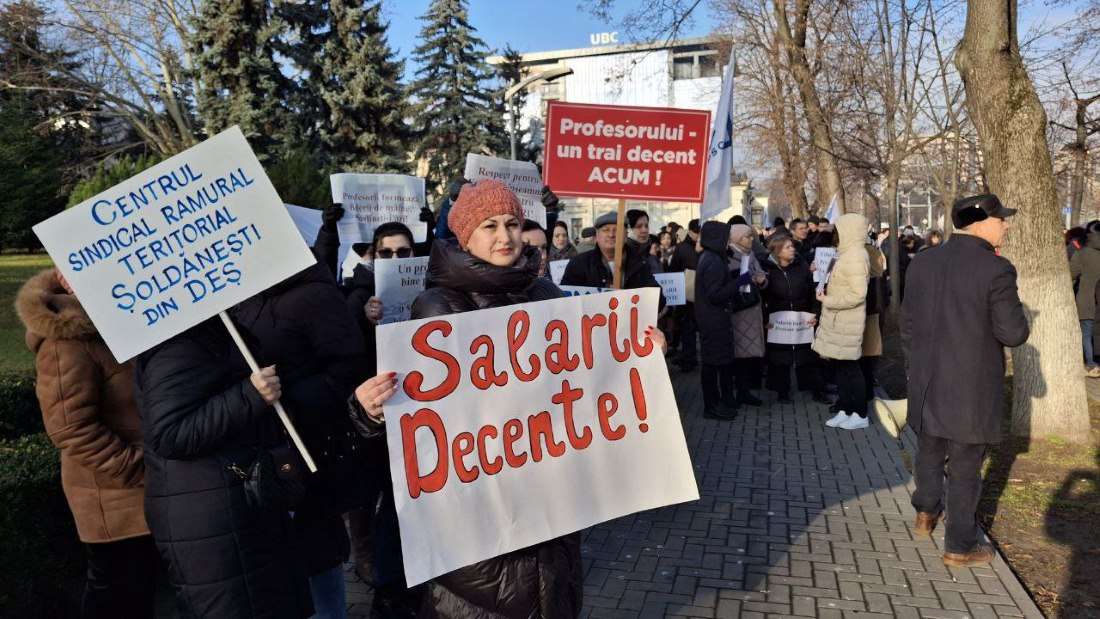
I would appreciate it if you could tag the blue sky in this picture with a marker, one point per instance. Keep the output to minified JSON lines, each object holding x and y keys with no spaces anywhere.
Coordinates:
{"x":529,"y":25}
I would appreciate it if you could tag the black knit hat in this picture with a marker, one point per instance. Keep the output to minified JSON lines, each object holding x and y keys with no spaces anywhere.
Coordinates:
{"x":978,"y":208}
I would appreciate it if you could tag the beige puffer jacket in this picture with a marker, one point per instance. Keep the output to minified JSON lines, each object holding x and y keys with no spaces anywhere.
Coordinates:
{"x":843,"y":319}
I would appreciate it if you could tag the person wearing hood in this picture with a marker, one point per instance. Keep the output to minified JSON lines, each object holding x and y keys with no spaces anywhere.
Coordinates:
{"x":790,"y":289}
{"x":843,"y":318}
{"x":560,"y":247}
{"x":748,"y":323}
{"x":717,"y":297}
{"x":487,"y":266}
{"x":90,"y":415}
{"x":594,"y":268}
{"x":1085,"y":271}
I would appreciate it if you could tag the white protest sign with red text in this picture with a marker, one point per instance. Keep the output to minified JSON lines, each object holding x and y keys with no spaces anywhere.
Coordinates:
{"x":515,"y":425}
{"x":616,"y":151}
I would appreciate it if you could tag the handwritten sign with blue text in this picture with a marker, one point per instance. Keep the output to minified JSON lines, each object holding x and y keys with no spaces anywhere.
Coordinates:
{"x":174,"y":245}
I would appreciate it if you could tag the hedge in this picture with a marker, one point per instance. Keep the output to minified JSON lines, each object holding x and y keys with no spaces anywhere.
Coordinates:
{"x":19,"y":415}
{"x":38,"y":541}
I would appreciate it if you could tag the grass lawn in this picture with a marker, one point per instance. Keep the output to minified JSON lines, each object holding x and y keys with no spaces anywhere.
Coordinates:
{"x":14,"y":270}
{"x":1041,"y":504}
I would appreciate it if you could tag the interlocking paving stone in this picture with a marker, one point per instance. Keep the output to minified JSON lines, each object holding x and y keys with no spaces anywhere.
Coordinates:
{"x":794,"y":520}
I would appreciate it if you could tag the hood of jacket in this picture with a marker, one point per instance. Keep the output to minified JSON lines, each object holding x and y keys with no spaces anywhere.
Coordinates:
{"x":715,"y":236}
{"x":452,"y":267}
{"x":852,"y":229}
{"x":48,"y":312}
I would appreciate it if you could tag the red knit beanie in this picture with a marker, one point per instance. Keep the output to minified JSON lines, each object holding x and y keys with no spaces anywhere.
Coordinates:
{"x":477,"y":202}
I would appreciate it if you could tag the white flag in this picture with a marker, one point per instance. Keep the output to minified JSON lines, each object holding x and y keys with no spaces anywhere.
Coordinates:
{"x":833,"y":212}
{"x":720,"y":164}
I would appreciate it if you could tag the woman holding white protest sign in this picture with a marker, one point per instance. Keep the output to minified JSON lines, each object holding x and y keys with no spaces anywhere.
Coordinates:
{"x":373,"y":530}
{"x":790,"y":289}
{"x":489,"y":267}
{"x":208,"y":424}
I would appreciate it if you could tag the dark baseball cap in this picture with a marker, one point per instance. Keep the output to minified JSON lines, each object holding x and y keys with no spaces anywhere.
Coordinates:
{"x":979,"y":208}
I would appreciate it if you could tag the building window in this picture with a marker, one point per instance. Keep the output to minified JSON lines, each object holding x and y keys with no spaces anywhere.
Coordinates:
{"x":695,"y":64}
{"x":683,"y":67}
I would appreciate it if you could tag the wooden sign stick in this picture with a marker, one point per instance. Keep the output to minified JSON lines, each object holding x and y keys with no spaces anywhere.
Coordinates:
{"x":620,"y":232}
{"x":283,"y":417}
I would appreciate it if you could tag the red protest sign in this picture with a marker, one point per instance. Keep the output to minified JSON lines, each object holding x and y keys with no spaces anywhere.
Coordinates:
{"x":617,"y":151}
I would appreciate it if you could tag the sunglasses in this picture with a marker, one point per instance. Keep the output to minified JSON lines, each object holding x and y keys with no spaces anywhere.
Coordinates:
{"x":403,"y":252}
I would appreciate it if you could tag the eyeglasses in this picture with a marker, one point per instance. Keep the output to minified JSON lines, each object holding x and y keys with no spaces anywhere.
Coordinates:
{"x":402,"y":252}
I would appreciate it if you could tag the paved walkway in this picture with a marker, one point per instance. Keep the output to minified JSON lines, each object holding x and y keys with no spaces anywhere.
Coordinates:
{"x":794,"y":519}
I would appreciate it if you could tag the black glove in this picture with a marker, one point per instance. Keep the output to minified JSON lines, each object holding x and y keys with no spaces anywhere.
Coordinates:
{"x":549,"y":198}
{"x":330,"y":215}
{"x":427,"y":216}
{"x":456,"y":186}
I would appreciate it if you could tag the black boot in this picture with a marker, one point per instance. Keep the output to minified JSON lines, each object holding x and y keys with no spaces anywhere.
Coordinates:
{"x":748,"y":399}
{"x":719,"y":411}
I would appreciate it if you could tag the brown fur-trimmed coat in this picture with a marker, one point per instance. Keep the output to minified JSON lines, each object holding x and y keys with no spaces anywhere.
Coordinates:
{"x":88,"y":408}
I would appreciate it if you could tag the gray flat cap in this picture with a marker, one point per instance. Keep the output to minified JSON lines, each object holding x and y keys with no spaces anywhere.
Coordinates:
{"x":611,"y":217}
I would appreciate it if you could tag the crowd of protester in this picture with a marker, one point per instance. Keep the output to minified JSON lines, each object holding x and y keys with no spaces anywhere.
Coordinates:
{"x":170,"y":459}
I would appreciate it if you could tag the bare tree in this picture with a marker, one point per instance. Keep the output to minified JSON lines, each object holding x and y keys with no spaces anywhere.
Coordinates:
{"x":134,"y":66}
{"x":768,"y":115}
{"x":1049,"y":386}
{"x":888,"y":71}
{"x":1083,"y":128}
{"x":791,"y":35}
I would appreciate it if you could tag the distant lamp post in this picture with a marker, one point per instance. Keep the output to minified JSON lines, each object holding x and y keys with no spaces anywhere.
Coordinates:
{"x":509,"y":95}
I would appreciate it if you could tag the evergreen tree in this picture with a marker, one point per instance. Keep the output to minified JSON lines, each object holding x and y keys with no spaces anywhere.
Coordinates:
{"x":30,"y":172}
{"x":240,"y":81}
{"x":364,"y":127}
{"x":305,"y":28}
{"x":299,"y":179}
{"x":59,"y":115}
{"x":108,"y":175}
{"x":455,"y":110}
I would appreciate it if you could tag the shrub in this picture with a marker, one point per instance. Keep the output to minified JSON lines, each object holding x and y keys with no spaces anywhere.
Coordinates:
{"x":110,"y":174}
{"x":19,"y":414}
{"x":37,"y":535}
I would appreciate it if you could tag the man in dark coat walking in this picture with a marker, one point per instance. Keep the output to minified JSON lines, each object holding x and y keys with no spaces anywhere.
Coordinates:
{"x":962,"y":310}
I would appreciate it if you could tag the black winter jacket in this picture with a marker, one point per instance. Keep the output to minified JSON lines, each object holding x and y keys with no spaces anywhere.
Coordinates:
{"x":541,"y":581}
{"x":684,"y":257}
{"x":359,"y":289}
{"x":789,"y":290}
{"x":301,"y":326}
{"x":201,"y":413}
{"x":961,"y":311}
{"x":717,"y":296}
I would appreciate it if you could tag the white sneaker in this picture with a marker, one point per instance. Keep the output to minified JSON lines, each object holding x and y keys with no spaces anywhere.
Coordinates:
{"x":837,"y":419}
{"x":854,"y":422}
